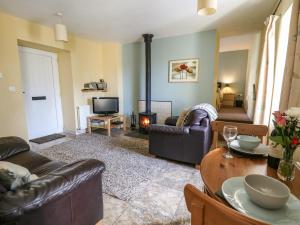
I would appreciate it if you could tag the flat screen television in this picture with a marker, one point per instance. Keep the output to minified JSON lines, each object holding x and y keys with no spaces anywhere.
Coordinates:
{"x":105,"y":105}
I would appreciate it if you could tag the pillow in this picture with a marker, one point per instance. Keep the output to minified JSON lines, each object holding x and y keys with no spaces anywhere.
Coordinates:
{"x":12,"y":145}
{"x":13,"y":175}
{"x":190,"y":117}
{"x":183,"y":117}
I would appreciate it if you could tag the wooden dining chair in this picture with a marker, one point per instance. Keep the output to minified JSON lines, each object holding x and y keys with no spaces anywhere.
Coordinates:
{"x":247,"y":129}
{"x":207,"y":211}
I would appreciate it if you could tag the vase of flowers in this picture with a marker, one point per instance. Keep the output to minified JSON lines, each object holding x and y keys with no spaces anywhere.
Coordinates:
{"x":287,"y":134}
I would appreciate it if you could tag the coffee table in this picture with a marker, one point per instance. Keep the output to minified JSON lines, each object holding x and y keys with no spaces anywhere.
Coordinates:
{"x":108,"y":122}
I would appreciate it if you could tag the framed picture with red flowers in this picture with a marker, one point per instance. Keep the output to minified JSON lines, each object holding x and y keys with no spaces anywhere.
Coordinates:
{"x":183,"y":70}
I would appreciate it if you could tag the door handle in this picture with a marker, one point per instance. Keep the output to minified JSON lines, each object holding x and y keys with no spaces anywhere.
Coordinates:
{"x":37,"y":98}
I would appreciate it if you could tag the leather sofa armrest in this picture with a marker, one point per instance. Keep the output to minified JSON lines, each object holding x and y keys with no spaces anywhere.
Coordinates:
{"x":165,"y":129}
{"x":56,"y":184}
{"x":204,"y":134}
{"x":198,"y":129}
{"x":205,"y":122}
{"x":10,"y":146}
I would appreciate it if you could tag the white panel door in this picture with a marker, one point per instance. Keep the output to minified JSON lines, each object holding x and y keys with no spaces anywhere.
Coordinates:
{"x":41,"y":92}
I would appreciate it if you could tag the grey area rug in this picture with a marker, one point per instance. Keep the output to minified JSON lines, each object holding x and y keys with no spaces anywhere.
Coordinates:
{"x":137,"y":134}
{"x":128,"y":163}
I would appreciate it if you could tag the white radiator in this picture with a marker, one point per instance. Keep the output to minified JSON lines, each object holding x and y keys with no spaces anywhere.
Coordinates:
{"x":83,"y":112}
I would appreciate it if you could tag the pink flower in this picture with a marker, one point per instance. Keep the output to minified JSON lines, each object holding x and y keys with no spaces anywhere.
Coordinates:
{"x":277,"y":114}
{"x":281,"y":121}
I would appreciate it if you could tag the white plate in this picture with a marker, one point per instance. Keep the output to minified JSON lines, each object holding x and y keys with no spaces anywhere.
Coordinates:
{"x":259,"y":150}
{"x":235,"y":194}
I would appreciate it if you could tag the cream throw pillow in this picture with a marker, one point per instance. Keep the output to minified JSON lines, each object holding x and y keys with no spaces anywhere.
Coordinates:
{"x":13,"y":175}
{"x":182,"y":118}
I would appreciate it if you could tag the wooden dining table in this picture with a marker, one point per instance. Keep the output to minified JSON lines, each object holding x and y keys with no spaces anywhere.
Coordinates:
{"x":215,"y":169}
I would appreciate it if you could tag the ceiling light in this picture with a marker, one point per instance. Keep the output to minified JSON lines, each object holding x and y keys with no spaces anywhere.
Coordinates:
{"x":207,"y":7}
{"x":60,"y":30}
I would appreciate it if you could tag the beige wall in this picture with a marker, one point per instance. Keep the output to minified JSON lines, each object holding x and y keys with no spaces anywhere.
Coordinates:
{"x":216,"y":71}
{"x":112,"y":70}
{"x":236,"y":43}
{"x":67,"y":90}
{"x":80,"y":60}
{"x":252,"y":74}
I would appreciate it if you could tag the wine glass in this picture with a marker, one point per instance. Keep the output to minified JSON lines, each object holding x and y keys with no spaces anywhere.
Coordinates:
{"x":229,"y":134}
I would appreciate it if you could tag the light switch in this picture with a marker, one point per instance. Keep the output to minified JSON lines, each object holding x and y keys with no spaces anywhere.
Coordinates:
{"x":1,"y":75}
{"x":12,"y":88}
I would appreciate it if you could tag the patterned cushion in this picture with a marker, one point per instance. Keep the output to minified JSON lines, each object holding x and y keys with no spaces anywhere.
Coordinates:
{"x":13,"y":175}
{"x":183,"y":118}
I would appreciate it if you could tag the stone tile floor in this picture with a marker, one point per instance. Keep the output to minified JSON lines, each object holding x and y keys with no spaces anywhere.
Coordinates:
{"x":159,"y":201}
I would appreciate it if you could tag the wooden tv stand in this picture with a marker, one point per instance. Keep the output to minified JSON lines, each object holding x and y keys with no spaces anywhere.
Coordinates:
{"x":108,"y":122}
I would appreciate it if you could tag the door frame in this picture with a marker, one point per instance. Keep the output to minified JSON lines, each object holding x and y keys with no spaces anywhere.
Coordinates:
{"x":56,"y":83}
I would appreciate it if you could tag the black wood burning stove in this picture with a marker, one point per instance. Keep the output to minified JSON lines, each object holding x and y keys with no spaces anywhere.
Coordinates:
{"x":146,"y":118}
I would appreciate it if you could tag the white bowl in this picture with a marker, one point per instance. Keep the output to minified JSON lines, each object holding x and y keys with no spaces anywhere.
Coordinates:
{"x":266,"y":192}
{"x":248,"y":142}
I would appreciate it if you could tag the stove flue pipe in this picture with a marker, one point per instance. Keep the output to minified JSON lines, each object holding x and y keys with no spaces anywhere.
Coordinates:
{"x":148,"y":40}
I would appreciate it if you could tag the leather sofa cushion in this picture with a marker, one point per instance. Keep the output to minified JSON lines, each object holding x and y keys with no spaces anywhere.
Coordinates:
{"x":10,"y":146}
{"x":29,"y":160}
{"x":171,"y":121}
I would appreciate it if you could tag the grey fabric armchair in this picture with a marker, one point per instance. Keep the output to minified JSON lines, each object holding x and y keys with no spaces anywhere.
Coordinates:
{"x":185,"y":144}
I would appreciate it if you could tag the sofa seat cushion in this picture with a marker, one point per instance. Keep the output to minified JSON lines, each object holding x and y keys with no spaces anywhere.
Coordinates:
{"x":29,"y":160}
{"x":47,"y":168}
{"x":10,"y":146}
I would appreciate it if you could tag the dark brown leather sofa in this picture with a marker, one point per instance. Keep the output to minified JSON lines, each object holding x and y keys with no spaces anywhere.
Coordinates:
{"x":64,"y":194}
{"x":185,"y":144}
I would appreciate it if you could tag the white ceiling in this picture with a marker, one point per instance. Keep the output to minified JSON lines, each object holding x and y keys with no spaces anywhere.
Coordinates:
{"x":127,"y":20}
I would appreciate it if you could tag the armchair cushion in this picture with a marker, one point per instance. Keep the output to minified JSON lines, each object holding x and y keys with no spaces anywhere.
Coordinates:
{"x":171,"y":121}
{"x":191,"y":118}
{"x":11,"y":146}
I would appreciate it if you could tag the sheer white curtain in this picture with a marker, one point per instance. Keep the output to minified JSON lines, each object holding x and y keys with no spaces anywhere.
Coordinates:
{"x":290,"y":96}
{"x":266,"y":77}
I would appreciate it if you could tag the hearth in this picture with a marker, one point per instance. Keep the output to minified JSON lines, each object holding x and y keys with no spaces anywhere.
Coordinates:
{"x":147,"y":118}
